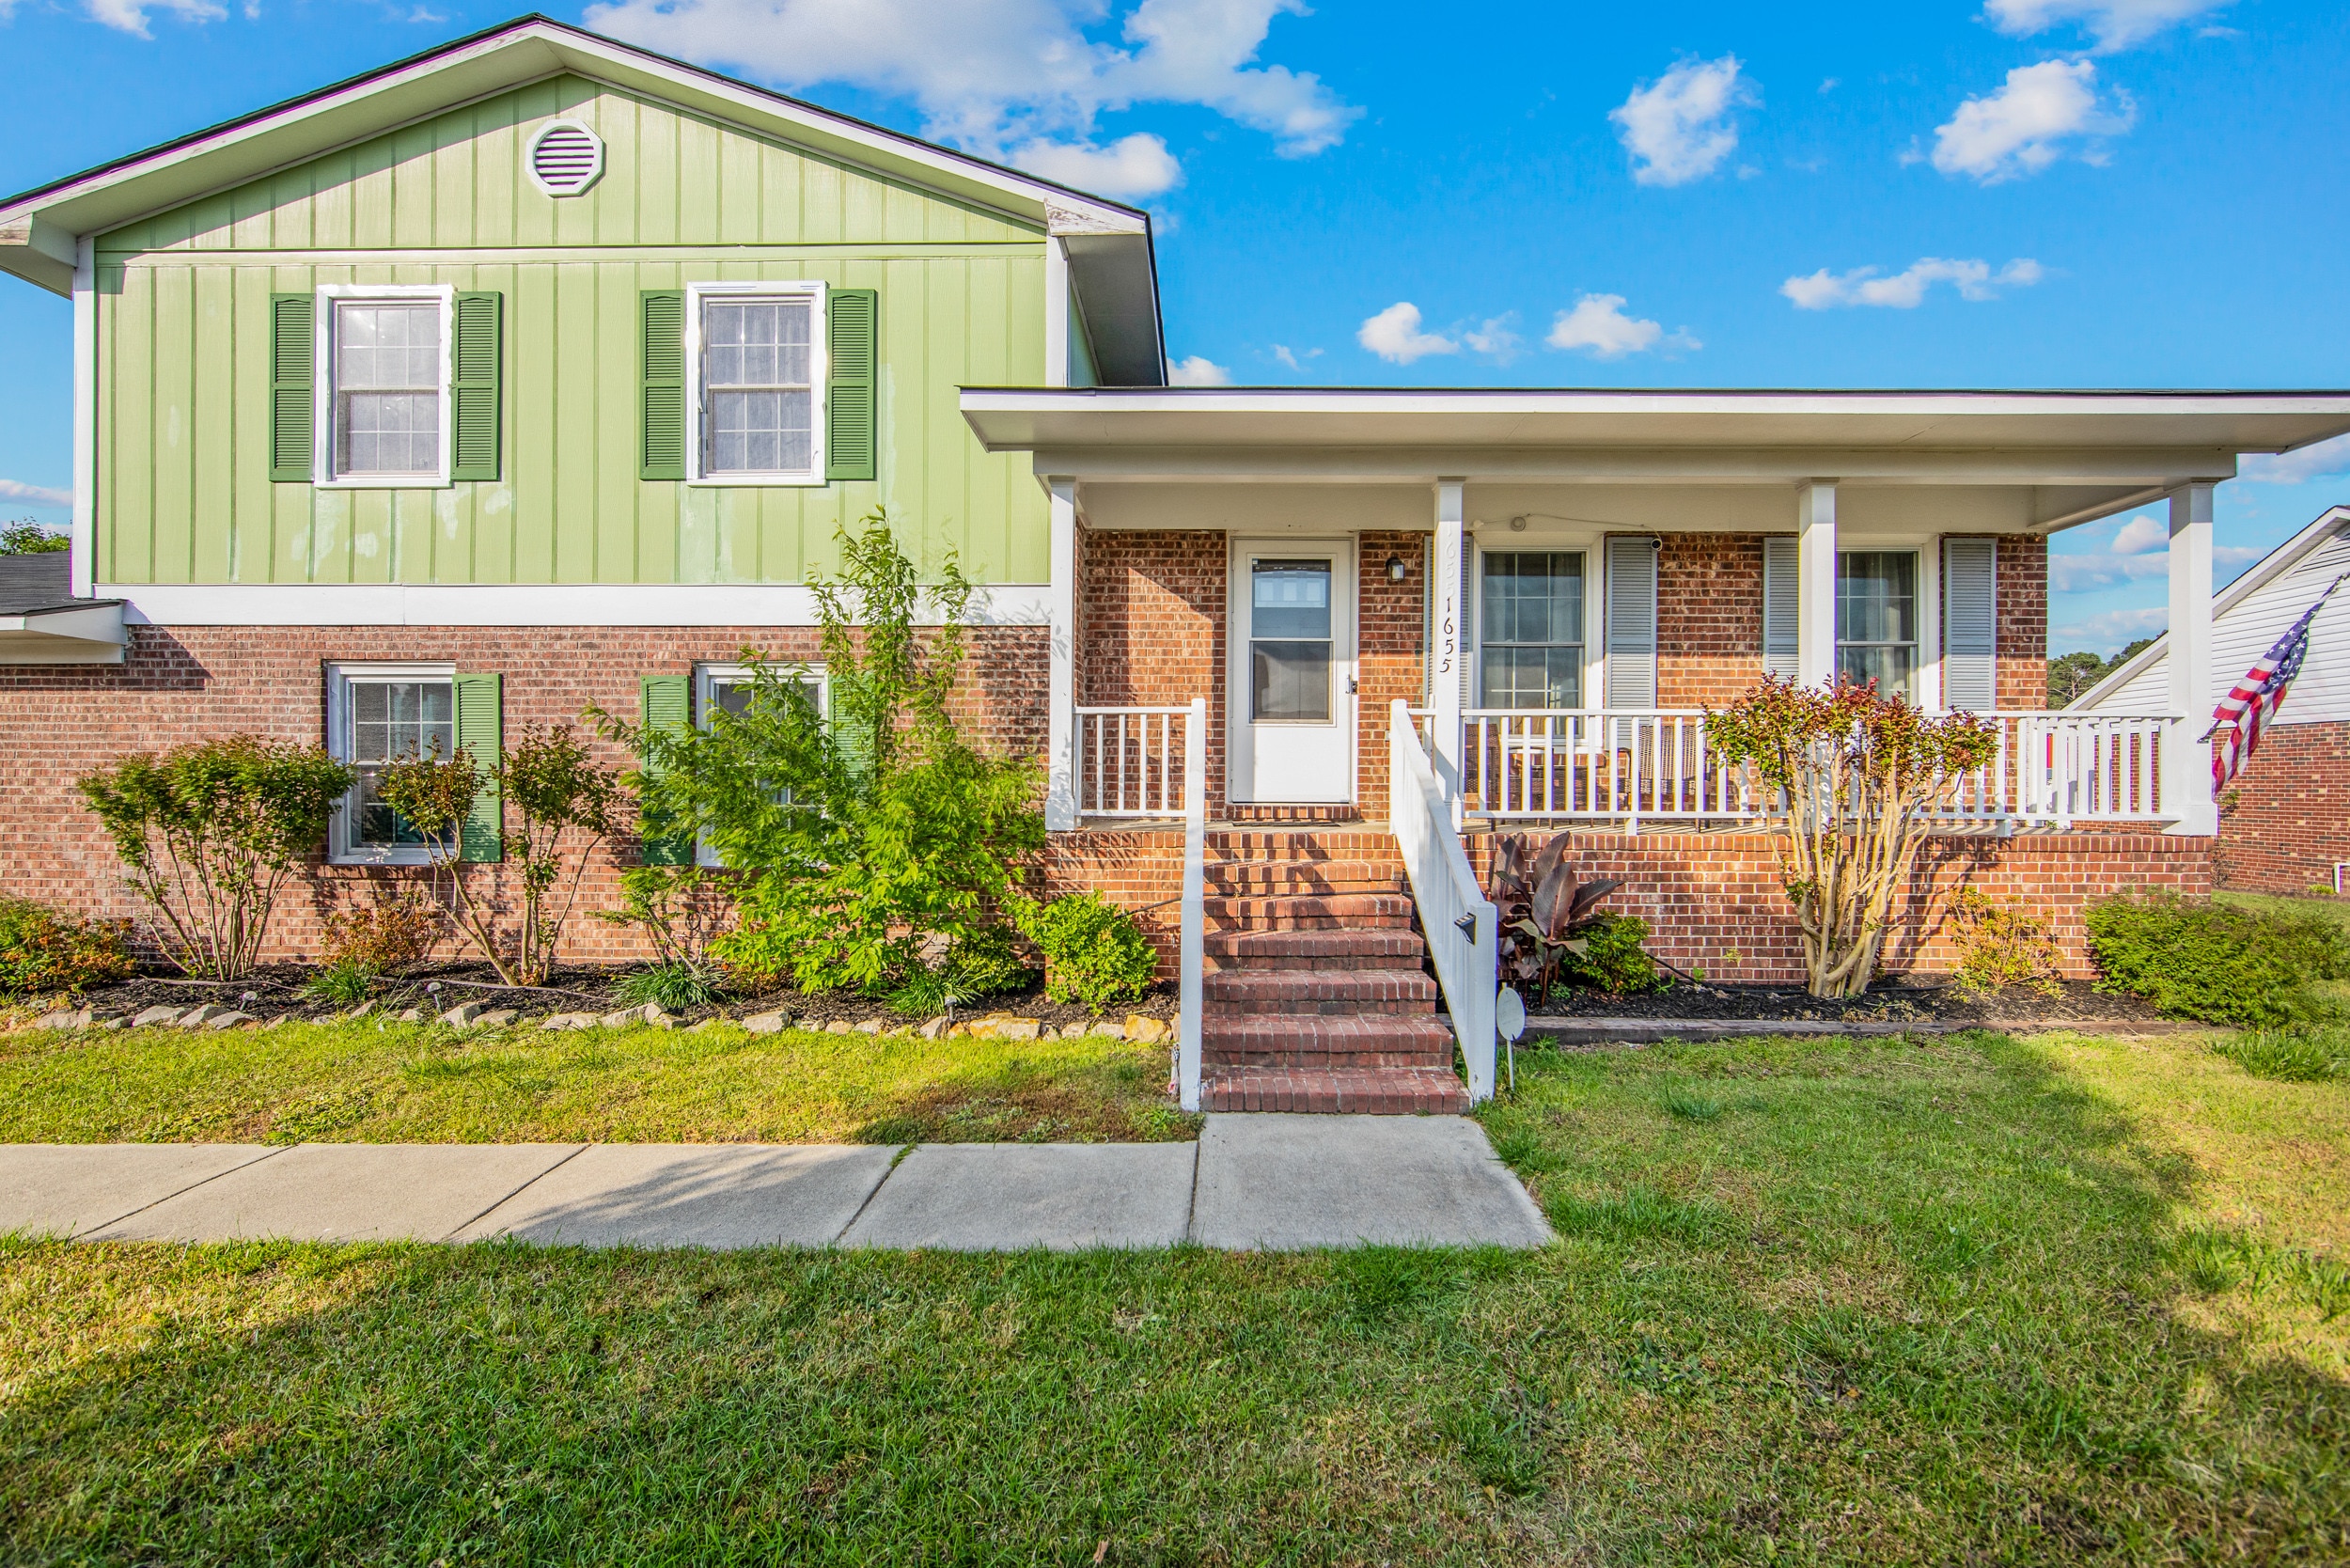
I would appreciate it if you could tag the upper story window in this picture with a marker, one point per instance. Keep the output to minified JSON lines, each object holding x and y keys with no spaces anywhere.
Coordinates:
{"x":756,"y":356}
{"x":378,"y":714}
{"x":1532,"y":628}
{"x":384,"y":363}
{"x":1876,"y":620}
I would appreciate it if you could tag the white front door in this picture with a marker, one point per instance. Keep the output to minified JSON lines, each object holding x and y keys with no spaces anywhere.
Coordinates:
{"x":1291,"y":675}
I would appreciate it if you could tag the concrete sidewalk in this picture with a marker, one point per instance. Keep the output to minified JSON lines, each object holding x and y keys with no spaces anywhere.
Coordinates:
{"x":1271,"y":1182}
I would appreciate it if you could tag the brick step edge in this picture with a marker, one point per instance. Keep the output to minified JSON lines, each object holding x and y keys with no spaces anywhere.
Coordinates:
{"x":1360,"y":1031}
{"x":1401,"y":944}
{"x":1374,"y":1091}
{"x":1657,"y":1031}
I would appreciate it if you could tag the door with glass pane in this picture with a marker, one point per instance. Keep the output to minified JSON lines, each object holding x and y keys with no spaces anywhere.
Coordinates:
{"x":1290,"y":682}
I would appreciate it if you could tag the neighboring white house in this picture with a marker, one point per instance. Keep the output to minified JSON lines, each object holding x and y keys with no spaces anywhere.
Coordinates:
{"x":2286,"y":818}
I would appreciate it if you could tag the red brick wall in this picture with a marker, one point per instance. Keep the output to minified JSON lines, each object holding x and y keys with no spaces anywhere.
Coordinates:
{"x":188,"y":684}
{"x":1708,"y":618}
{"x":1706,"y":896}
{"x":2022,"y":574}
{"x":1150,"y":610}
{"x":1393,"y":622}
{"x":2285,"y":819}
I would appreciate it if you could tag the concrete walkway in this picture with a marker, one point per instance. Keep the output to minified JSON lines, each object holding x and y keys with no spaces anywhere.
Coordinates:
{"x":1252,"y":1182}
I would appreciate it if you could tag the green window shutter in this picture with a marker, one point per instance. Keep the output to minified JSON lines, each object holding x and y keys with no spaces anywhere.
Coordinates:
{"x":660,"y":358}
{"x":666,"y":711}
{"x":852,"y":346}
{"x":292,"y":369}
{"x":481,"y":736}
{"x":475,"y":386}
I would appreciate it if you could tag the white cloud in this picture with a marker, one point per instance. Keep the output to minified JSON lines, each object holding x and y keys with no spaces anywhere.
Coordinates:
{"x":1906,"y":289}
{"x":2322,"y":461}
{"x":34,"y":494}
{"x":1130,"y":168}
{"x":1294,"y":358}
{"x":1598,"y":326}
{"x":1678,"y":128}
{"x":994,"y":74}
{"x":1394,"y":335}
{"x":130,"y":16}
{"x":2026,"y":125}
{"x":2141,"y":551}
{"x":1197,"y":370}
{"x":2114,"y":23}
{"x":2108,"y":632}
{"x":2141,"y":534}
{"x":1496,"y":338}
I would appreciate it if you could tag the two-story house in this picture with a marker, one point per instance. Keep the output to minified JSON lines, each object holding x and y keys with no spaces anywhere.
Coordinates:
{"x":539,"y":370}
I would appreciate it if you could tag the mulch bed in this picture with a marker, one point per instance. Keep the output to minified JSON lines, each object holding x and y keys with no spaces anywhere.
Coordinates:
{"x":276,"y":989}
{"x":1897,"y":998}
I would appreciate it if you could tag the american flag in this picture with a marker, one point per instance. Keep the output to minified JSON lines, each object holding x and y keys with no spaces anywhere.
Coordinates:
{"x":2245,"y":711}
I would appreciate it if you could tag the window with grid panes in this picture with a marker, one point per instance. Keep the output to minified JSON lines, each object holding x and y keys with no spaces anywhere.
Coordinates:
{"x":384,"y":720}
{"x":759,"y":398}
{"x":390,"y":367}
{"x":1876,"y":620}
{"x":1532,"y":628}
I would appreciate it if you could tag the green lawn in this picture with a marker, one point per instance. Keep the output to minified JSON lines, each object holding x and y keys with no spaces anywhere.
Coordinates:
{"x":1974,"y":1301}
{"x":427,"y":1084}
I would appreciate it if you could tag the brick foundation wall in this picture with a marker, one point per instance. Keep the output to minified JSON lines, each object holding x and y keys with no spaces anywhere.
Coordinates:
{"x":186,"y":683}
{"x":2289,"y":819}
{"x":1708,"y":618}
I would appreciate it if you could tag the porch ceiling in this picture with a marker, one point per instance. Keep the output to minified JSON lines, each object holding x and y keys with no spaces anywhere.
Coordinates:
{"x":2087,"y":452}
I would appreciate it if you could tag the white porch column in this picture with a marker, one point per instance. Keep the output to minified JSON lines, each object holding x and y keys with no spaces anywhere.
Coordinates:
{"x":85,"y":559}
{"x":1061,"y":728}
{"x":1815,"y":582}
{"x":1056,"y":311}
{"x":1451,"y":624}
{"x":2185,"y":756}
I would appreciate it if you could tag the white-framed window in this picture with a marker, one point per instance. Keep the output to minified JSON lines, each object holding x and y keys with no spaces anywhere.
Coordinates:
{"x":377,"y":714}
{"x":755,"y":368}
{"x":727,"y":688}
{"x":1876,"y":620}
{"x":384,"y":370}
{"x":1531,"y":624}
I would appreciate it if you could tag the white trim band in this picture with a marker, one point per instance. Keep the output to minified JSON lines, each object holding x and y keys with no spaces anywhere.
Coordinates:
{"x":531,"y":604}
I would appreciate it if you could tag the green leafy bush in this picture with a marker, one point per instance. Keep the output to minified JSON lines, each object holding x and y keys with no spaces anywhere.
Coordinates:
{"x":1094,"y":952}
{"x":683,"y":910}
{"x":2002,"y":945}
{"x":2293,"y":1055}
{"x":674,"y":986}
{"x":343,"y":983}
{"x":876,"y":843}
{"x":965,"y":973}
{"x":210,"y":833}
{"x":2215,"y":961}
{"x":44,"y":953}
{"x":1612,"y":957}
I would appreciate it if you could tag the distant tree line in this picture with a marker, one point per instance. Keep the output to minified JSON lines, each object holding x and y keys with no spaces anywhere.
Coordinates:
{"x":2071,"y":674}
{"x":28,"y":537}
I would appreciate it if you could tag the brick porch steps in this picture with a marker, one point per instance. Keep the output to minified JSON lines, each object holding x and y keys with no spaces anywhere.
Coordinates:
{"x":1316,"y":997}
{"x":1386,"y":1091}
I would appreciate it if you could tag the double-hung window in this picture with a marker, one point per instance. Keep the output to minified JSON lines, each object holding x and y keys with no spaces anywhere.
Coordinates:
{"x":729,"y":689}
{"x":378,"y":714}
{"x":1876,"y":620}
{"x":384,"y":362}
{"x":756,"y":356}
{"x":1532,"y":628}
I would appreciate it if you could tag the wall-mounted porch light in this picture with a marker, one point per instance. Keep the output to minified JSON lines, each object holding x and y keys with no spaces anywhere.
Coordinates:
{"x":1395,"y":569}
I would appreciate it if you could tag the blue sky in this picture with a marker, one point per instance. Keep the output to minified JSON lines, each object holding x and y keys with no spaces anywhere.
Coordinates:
{"x":1997,"y":193}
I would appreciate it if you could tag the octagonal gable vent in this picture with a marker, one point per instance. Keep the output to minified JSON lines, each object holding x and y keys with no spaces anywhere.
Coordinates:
{"x":565,"y":158}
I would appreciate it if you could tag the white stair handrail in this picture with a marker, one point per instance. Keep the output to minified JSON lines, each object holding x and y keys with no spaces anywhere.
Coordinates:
{"x":1463,"y":926}
{"x":1193,"y":955}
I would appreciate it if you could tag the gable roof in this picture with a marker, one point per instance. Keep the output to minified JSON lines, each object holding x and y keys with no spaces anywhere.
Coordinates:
{"x":1108,"y":243}
{"x":2331,"y":525}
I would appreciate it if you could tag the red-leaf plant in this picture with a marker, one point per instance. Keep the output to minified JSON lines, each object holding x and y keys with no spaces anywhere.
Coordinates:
{"x":1544,"y":904}
{"x":1858,"y":772}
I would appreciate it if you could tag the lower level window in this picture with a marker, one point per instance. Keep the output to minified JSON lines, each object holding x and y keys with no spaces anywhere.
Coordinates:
{"x":379,"y":717}
{"x":729,"y":689}
{"x":1876,"y":620}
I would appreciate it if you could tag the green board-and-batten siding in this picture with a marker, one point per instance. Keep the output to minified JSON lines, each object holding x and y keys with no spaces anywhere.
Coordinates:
{"x":185,"y":493}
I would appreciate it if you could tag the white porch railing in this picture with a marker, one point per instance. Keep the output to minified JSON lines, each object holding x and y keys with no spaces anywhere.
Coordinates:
{"x":1642,"y":765}
{"x":1463,"y":926}
{"x":1127,"y":766}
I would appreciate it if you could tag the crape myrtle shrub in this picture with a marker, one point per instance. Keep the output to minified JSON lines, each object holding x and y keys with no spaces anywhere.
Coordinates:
{"x":2215,"y":961}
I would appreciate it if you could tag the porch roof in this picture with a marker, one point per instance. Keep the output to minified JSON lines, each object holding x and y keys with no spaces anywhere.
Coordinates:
{"x":2110,"y":448}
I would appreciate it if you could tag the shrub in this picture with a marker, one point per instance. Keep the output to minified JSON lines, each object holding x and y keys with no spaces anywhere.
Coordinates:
{"x":2215,"y":961}
{"x":682,"y":910}
{"x":342,"y":984}
{"x":28,"y":537}
{"x":2002,"y":945}
{"x":962,"y":974}
{"x":1094,"y":952}
{"x":210,"y":833}
{"x":1544,"y":908}
{"x":1612,"y":958}
{"x":1860,"y":773}
{"x":44,"y":953}
{"x":674,"y":986}
{"x":383,"y":937}
{"x":876,"y":843}
{"x":556,"y":789}
{"x":2293,"y":1055}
